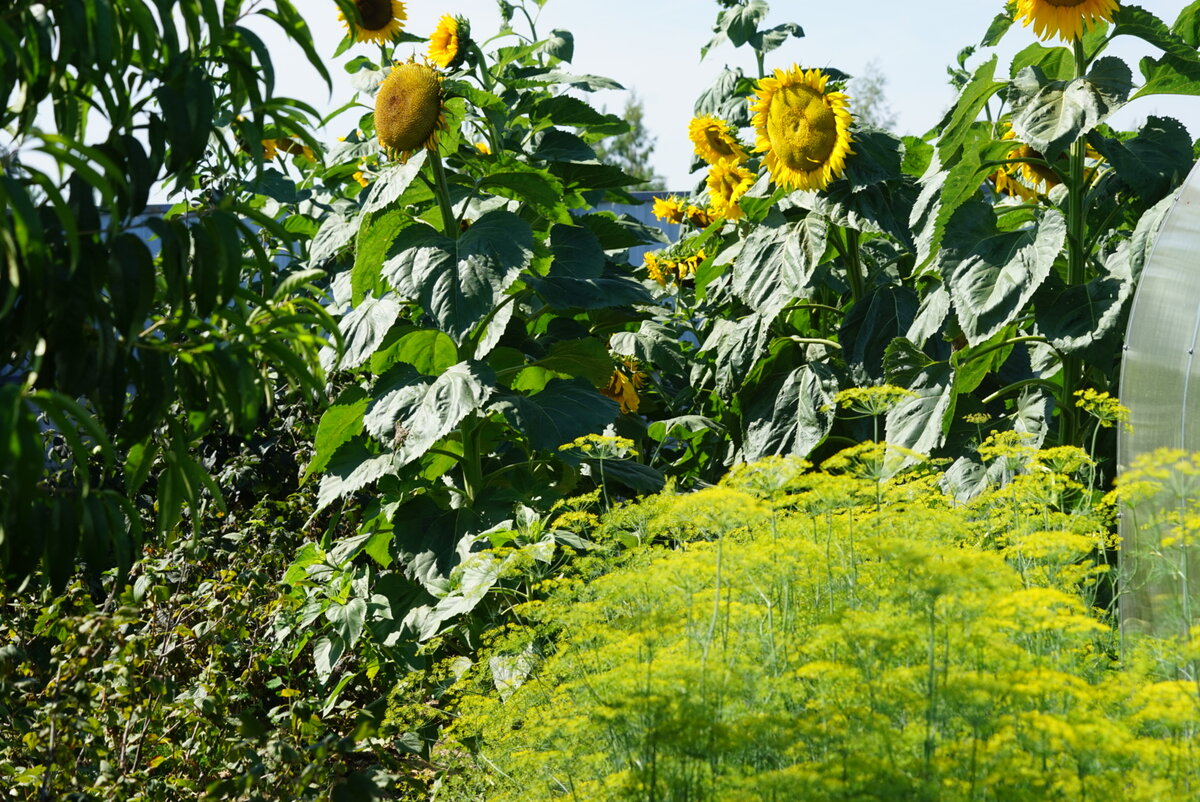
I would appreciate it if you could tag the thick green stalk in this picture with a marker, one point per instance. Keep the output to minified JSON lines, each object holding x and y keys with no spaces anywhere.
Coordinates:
{"x":1072,"y":369}
{"x":442,"y":190}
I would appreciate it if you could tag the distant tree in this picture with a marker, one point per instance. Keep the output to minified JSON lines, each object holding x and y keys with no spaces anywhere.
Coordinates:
{"x":633,"y":150}
{"x":869,"y":98}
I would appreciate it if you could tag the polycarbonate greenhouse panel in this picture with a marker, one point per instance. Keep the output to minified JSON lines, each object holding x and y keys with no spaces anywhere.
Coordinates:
{"x":1160,"y":383}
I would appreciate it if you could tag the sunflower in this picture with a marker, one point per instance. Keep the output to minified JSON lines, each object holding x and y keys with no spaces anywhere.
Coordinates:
{"x":700,"y":218}
{"x":449,"y":42}
{"x":669,"y":210}
{"x":381,"y":20}
{"x":484,"y":148}
{"x":1066,"y":19}
{"x":270,"y":149}
{"x":408,"y":109}
{"x":715,"y":140}
{"x":727,"y":182}
{"x":627,"y":379}
{"x":804,"y":130}
{"x":659,"y":269}
{"x":1038,"y":176}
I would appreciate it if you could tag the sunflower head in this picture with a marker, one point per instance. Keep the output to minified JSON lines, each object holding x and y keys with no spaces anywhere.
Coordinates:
{"x":714,"y":140}
{"x":669,"y":210}
{"x":408,"y":109}
{"x":1066,"y":19}
{"x":700,"y":218}
{"x":450,"y":42}
{"x":379,"y":20}
{"x":804,"y":130}
{"x":658,"y":268}
{"x":1037,"y":175}
{"x":727,"y":182}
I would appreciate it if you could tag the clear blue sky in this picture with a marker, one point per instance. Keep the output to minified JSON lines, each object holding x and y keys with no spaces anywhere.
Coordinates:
{"x":653,"y":47}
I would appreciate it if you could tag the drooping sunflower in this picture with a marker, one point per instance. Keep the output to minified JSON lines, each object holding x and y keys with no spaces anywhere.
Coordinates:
{"x":727,"y":182}
{"x":627,"y":379}
{"x":658,"y":268}
{"x":804,"y":130}
{"x":669,"y":209}
{"x":714,"y":140}
{"x":1066,"y":19}
{"x":700,"y":218}
{"x":381,"y":20}
{"x":449,"y":42}
{"x":408,"y":109}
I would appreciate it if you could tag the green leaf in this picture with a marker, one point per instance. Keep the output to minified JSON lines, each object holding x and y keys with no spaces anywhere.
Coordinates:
{"x":995,"y":32}
{"x":538,"y":188}
{"x":1086,"y":319}
{"x":773,"y":38}
{"x":634,"y":475}
{"x":587,"y":358}
{"x":1136,"y":21}
{"x":736,"y":346}
{"x":921,"y":421}
{"x":1050,"y":115}
{"x":564,"y":410}
{"x":1187,"y":24}
{"x":559,"y":44}
{"x":571,"y":111}
{"x":992,"y":274}
{"x":966,"y":109}
{"x":616,"y":233}
{"x":392,"y":183}
{"x":376,"y":233}
{"x":683,"y":427}
{"x":414,"y":415}
{"x":794,"y":416}
{"x":348,"y":620}
{"x":336,"y":232}
{"x":553,"y":145}
{"x":342,"y":421}
{"x":364,"y":328}
{"x":428,"y":350}
{"x":776,"y":265}
{"x":740,"y":22}
{"x":870,"y":326}
{"x":1169,"y":75}
{"x":577,"y":252}
{"x":459,"y":282}
{"x":612,"y":289}
{"x":327,"y":650}
{"x":725,"y":99}
{"x":1154,"y":161}
{"x":1056,"y":63}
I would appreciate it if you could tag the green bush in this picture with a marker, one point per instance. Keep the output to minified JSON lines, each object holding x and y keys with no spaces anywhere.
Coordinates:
{"x":836,"y":636}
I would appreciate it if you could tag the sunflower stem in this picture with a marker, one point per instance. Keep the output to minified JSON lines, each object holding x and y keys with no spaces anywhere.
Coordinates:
{"x":1072,"y":376}
{"x":442,"y":190}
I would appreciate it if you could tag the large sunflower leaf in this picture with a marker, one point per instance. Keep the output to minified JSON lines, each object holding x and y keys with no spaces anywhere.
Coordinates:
{"x":562,"y":411}
{"x":375,"y":236}
{"x":1153,"y":161}
{"x":992,"y":274}
{"x":604,"y":292}
{"x":365,"y":327}
{"x":389,"y":186}
{"x":1140,"y":23}
{"x":342,"y":421}
{"x":577,"y":251}
{"x":1050,"y":115}
{"x":417,"y":413}
{"x":538,"y":188}
{"x":459,"y":282}
{"x":956,"y":126}
{"x":725,"y":99}
{"x":921,"y":421}
{"x":794,"y":416}
{"x":871,"y":324}
{"x":736,"y":347}
{"x":774,"y":266}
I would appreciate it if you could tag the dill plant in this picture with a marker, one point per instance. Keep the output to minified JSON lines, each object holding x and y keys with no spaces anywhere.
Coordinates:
{"x":837,"y":636}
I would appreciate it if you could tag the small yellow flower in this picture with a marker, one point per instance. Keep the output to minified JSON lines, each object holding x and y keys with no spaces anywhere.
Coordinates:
{"x":657,"y":267}
{"x":714,"y":140}
{"x":483,"y":148}
{"x":700,"y":218}
{"x":270,"y":149}
{"x":670,"y":209}
{"x":727,"y":183}
{"x":1107,"y":410}
{"x":361,"y":179}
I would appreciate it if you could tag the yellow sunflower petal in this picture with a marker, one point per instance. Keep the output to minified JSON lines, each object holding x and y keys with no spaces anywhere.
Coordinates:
{"x":1066,"y":19}
{"x":381,"y":20}
{"x":803,"y":130}
{"x":668,"y":209}
{"x":443,"y":43}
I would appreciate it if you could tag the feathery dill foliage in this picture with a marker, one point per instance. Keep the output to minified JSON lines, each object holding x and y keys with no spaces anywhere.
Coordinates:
{"x":783,"y":636}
